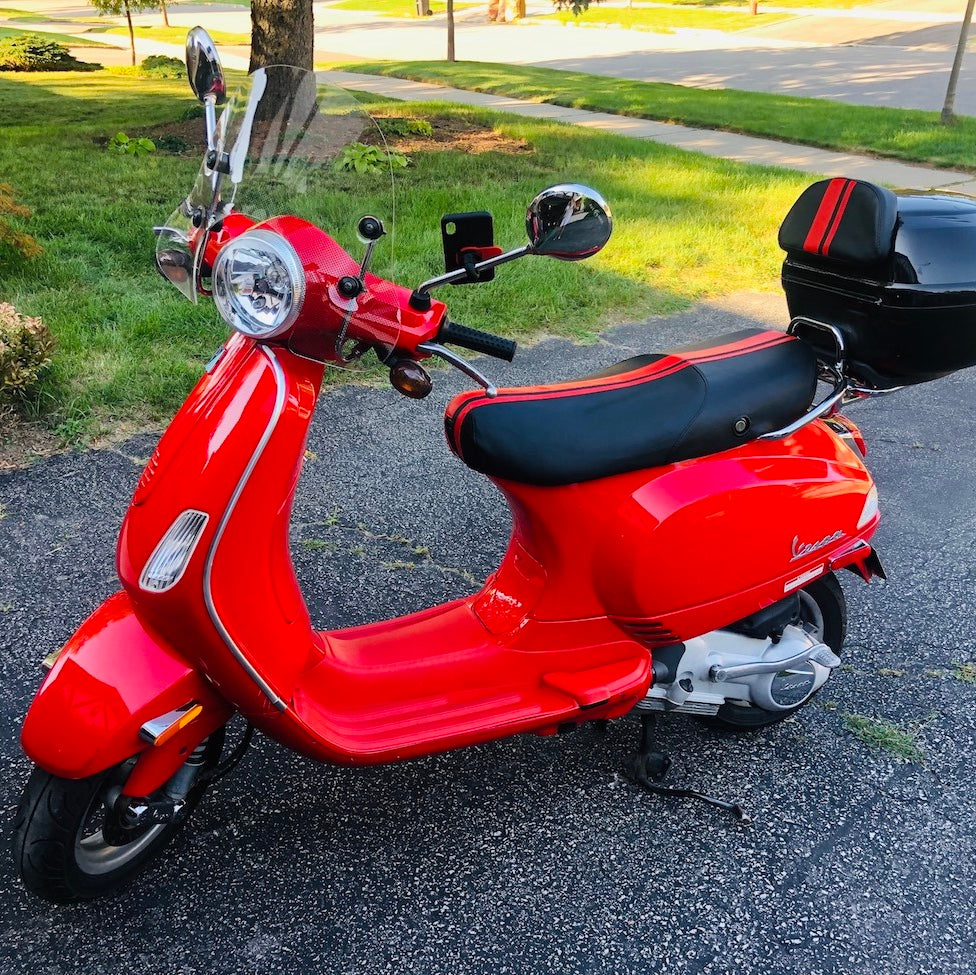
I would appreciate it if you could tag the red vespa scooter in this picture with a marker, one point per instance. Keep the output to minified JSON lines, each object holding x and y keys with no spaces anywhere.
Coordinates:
{"x":629,"y":491}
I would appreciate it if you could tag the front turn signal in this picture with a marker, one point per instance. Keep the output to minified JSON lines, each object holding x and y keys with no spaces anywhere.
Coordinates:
{"x":411,"y":379}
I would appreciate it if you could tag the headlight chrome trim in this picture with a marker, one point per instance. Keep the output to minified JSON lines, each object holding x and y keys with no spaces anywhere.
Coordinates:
{"x":277,"y":248}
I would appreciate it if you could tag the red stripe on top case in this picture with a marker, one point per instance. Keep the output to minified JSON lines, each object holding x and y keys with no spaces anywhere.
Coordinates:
{"x":825,"y":250}
{"x":821,"y":220}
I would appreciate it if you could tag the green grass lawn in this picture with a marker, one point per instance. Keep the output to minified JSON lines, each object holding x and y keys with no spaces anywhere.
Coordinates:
{"x":130,"y":346}
{"x":22,"y":16}
{"x":400,"y":8}
{"x":69,"y":40}
{"x":825,"y":4}
{"x":663,"y":19}
{"x":907,"y":134}
{"x":177,"y":35}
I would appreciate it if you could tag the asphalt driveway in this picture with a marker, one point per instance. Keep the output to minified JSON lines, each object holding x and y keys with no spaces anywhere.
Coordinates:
{"x":532,"y":855}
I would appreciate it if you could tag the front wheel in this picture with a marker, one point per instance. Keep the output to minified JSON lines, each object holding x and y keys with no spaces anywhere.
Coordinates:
{"x":68,"y":844}
{"x":824,"y":610}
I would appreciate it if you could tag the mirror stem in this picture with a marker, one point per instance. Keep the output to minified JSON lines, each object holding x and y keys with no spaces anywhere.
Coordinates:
{"x":420,"y":299}
{"x":210,"y":120}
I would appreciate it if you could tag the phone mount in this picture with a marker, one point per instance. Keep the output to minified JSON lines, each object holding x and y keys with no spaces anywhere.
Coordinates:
{"x":569,"y":222}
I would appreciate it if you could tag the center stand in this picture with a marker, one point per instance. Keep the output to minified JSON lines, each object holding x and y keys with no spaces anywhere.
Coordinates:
{"x":647,"y":767}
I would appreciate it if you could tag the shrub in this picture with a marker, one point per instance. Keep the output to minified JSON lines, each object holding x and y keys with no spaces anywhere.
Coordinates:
{"x":162,"y":66}
{"x":172,"y":143}
{"x":26,"y":345}
{"x":32,"y":52}
{"x":360,"y":158}
{"x":120,"y":142}
{"x":21,"y":242}
{"x":405,"y":126}
{"x":419,"y":126}
{"x":155,"y":66}
{"x":193,"y":111}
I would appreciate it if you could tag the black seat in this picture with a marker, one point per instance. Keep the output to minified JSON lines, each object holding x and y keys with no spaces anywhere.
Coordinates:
{"x":643,"y":412}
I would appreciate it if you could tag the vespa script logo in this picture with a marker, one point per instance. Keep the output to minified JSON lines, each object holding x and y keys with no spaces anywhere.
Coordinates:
{"x":800,"y":549}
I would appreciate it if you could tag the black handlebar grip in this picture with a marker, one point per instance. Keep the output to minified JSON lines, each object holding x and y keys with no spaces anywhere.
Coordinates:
{"x":477,"y":341}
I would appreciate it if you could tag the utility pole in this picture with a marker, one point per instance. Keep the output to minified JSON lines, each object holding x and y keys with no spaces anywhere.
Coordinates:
{"x":947,"y":109}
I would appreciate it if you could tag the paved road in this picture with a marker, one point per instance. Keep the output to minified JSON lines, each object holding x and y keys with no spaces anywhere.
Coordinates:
{"x":896,"y":73}
{"x":867,"y":74}
{"x":532,"y":856}
{"x":904,"y":63}
{"x":864,"y":74}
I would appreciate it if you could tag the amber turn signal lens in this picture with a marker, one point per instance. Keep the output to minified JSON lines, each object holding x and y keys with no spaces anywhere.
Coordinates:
{"x":411,"y":379}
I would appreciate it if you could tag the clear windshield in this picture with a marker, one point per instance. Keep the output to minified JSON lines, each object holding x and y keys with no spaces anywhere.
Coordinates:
{"x":293,"y":147}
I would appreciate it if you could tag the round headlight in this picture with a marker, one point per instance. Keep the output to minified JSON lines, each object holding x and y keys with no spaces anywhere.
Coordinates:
{"x":259,"y":284}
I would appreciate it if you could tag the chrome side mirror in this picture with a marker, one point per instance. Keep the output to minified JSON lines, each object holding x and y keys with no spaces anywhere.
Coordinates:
{"x":569,"y":222}
{"x":203,"y":67}
{"x":206,"y":78}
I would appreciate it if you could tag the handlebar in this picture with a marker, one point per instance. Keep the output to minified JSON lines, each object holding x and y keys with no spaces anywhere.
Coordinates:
{"x":477,"y":341}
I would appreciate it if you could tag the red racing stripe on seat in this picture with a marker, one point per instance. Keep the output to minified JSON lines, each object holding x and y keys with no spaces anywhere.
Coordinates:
{"x":822,"y":218}
{"x":842,"y":206}
{"x":669,"y":364}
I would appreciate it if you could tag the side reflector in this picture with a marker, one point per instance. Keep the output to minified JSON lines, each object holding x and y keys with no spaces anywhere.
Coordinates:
{"x":172,"y":555}
{"x":870,"y":508}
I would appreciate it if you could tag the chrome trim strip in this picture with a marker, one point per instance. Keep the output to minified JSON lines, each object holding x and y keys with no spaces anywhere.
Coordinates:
{"x":152,"y":729}
{"x":279,"y":407}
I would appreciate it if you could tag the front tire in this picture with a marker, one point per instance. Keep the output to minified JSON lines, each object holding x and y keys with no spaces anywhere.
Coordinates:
{"x":822,"y":606}
{"x":67,"y":846}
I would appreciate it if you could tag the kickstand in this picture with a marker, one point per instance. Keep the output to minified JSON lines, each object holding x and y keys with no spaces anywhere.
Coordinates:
{"x":648,"y":767}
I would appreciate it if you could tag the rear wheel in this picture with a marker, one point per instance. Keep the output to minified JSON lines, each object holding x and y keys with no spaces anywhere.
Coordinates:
{"x":824,"y":609}
{"x":68,"y":842}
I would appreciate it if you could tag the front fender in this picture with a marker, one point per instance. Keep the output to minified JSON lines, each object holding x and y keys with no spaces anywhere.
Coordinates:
{"x":110,"y":678}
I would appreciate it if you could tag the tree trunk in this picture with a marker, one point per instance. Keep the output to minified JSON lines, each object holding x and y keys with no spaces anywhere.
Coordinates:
{"x":450,"y":30}
{"x":132,"y":33}
{"x":519,"y":9}
{"x":162,"y":4}
{"x":282,"y":32}
{"x":948,"y":116}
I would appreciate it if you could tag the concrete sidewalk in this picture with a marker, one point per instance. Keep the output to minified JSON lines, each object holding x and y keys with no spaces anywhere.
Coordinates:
{"x":725,"y":145}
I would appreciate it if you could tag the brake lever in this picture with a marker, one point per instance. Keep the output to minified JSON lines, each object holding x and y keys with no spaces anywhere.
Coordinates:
{"x":451,"y":357}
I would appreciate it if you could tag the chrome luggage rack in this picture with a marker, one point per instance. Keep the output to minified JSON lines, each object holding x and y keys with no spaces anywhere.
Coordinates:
{"x":844,"y":389}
